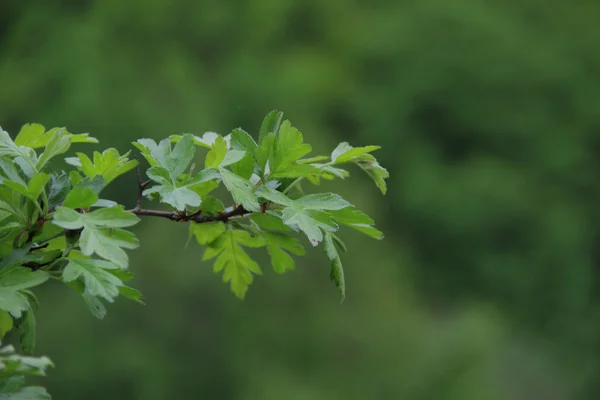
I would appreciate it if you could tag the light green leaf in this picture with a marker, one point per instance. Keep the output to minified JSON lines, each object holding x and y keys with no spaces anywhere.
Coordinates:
{"x":34,"y":188}
{"x":33,"y":135}
{"x":370,"y":165}
{"x":270,"y":222}
{"x":109,"y":164}
{"x":206,"y":140}
{"x":207,"y":232}
{"x":311,"y":222}
{"x":94,"y":304}
{"x":345,"y":153}
{"x":322,"y":201}
{"x":100,"y":233}
{"x":275,"y":196}
{"x":98,"y":281}
{"x":181,"y":156}
{"x":231,"y":258}
{"x":23,"y":156}
{"x":58,"y":144}
{"x":289,"y":147}
{"x":241,"y":189}
{"x":9,"y":171}
{"x":358,"y":220}
{"x":265,"y":151}
{"x":280,"y":260}
{"x":241,"y":140}
{"x":80,"y":197}
{"x":177,"y":197}
{"x":13,"y":301}
{"x":131,"y":294}
{"x":216,"y":154}
{"x":232,"y":157}
{"x":245,"y":167}
{"x":19,"y":278}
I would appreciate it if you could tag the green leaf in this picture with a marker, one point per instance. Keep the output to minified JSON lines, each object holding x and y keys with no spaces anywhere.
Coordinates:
{"x":27,"y":338}
{"x":232,"y":259}
{"x":370,"y":165}
{"x":58,"y":144}
{"x":216,"y":153}
{"x":207,"y":232}
{"x":13,"y":301}
{"x":241,"y":140}
{"x":241,"y":189}
{"x":98,"y":281}
{"x":274,"y":196}
{"x":211,"y":205}
{"x":181,"y":156}
{"x":80,"y":197}
{"x":177,"y":197}
{"x":9,"y":171}
{"x":265,"y":151}
{"x":270,"y":124}
{"x":94,"y":304}
{"x":6,"y":323}
{"x":109,"y":164}
{"x":19,"y":278}
{"x":131,"y":294}
{"x":270,"y":222}
{"x":295,"y":170}
{"x":289,"y":147}
{"x":100,"y":233}
{"x":33,"y":135}
{"x":280,"y":260}
{"x":206,"y":140}
{"x":337,"y":271}
{"x":23,"y":156}
{"x":311,"y":222}
{"x":345,"y":153}
{"x":322,"y":201}
{"x":59,"y":188}
{"x":245,"y":167}
{"x":34,"y":188}
{"x":175,"y":161}
{"x":358,"y":220}
{"x":233,"y":157}
{"x":180,"y":195}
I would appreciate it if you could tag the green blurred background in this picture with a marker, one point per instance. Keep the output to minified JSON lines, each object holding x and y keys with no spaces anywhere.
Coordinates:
{"x":487,"y":284}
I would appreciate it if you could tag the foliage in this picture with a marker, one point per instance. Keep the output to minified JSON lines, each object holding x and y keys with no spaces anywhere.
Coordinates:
{"x":56,"y":226}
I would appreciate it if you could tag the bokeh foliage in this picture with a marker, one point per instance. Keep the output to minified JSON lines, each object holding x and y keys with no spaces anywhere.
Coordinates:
{"x":487,"y":113}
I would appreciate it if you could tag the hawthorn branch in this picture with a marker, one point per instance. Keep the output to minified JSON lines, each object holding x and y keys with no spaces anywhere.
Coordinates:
{"x":196,"y":217}
{"x":180,"y":216}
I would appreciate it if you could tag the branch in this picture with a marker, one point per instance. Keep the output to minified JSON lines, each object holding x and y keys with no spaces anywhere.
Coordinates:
{"x":196,"y":217}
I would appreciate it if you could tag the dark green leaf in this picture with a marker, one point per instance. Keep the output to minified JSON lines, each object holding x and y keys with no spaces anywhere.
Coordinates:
{"x":337,"y":271}
{"x":270,"y":124}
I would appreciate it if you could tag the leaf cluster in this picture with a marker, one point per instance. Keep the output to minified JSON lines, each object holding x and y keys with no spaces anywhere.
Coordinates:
{"x":56,"y":226}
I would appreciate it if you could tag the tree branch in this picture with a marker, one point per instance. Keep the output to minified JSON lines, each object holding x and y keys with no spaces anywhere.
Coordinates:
{"x":196,"y":217}
{"x":180,"y":216}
